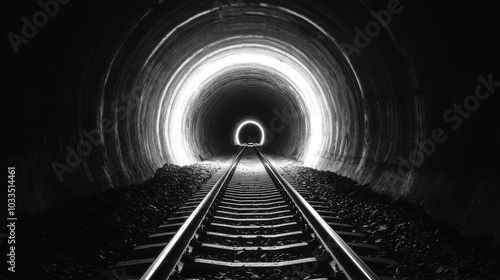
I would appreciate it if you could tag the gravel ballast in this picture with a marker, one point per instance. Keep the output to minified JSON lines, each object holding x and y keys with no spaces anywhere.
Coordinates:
{"x":425,"y":249}
{"x":88,"y":236}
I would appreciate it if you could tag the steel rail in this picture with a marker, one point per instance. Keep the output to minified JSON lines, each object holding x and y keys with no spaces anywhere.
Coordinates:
{"x":347,"y":259}
{"x":165,"y":263}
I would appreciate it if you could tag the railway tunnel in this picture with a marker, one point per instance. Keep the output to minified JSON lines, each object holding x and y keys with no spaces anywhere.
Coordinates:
{"x":397,"y":95}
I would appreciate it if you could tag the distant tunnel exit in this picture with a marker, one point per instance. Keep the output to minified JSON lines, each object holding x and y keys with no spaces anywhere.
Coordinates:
{"x":250,"y":132}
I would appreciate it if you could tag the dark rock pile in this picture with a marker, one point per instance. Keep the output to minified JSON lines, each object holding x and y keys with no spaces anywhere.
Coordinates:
{"x":425,"y":249}
{"x":86,"y":237}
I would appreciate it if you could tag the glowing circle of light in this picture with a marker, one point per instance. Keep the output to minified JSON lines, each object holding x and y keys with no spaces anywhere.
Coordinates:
{"x":237,"y":133}
{"x":187,"y":85}
{"x":189,"y":80}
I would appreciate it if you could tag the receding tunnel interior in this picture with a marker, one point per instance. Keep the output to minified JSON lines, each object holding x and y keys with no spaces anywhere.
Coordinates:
{"x":144,"y":84}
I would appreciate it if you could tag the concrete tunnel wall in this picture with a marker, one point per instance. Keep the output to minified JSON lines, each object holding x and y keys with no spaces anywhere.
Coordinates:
{"x":128,"y":73}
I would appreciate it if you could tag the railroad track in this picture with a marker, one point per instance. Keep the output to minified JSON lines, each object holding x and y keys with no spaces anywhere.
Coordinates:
{"x":249,"y":222}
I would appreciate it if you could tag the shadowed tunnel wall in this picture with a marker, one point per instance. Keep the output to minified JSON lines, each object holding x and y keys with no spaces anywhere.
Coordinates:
{"x":108,"y":92}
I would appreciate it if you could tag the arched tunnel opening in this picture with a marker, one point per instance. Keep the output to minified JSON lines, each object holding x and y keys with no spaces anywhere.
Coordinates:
{"x":398,"y":96}
{"x":251,"y":133}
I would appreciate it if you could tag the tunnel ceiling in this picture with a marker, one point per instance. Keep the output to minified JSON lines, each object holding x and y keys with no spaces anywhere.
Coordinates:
{"x":150,"y":83}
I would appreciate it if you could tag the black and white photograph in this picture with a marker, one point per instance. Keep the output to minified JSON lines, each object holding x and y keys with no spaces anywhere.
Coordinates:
{"x":251,"y":140}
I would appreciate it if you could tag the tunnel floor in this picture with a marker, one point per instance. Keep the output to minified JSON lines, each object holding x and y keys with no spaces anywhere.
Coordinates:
{"x":86,"y":238}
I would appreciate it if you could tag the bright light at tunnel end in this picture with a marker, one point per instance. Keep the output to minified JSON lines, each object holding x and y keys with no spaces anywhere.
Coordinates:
{"x":244,"y":123}
{"x":199,"y":71}
{"x":182,"y":91}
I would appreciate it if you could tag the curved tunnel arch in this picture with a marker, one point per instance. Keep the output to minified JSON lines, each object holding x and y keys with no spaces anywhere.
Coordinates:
{"x":249,"y":58}
{"x":174,"y":78}
{"x":335,"y":96}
